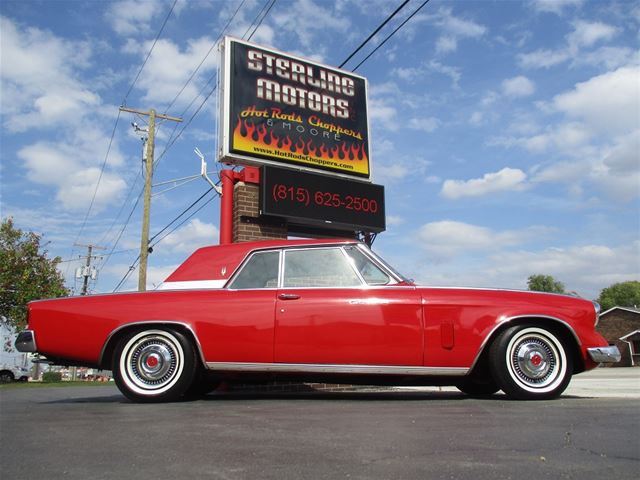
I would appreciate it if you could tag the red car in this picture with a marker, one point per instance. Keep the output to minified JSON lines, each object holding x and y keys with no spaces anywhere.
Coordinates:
{"x":318,"y":310}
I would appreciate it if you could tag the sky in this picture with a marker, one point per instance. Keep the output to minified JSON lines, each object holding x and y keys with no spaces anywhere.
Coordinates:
{"x":506,"y":133}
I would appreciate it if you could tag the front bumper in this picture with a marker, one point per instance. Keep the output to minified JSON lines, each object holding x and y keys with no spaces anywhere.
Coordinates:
{"x":609,"y":354}
{"x":26,"y":341}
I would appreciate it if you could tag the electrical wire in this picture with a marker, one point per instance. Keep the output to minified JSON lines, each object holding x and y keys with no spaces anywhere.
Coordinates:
{"x":184,"y":221}
{"x":273,"y":2}
{"x":258,"y":21}
{"x":213,"y":45}
{"x":391,"y":34}
{"x":374,"y":32}
{"x":183,"y":212}
{"x":124,"y":101}
{"x":95,"y":192}
{"x":132,"y":267}
{"x":133,"y":209}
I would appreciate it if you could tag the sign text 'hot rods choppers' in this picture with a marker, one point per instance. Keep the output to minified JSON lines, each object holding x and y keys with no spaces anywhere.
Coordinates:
{"x":282,"y":110}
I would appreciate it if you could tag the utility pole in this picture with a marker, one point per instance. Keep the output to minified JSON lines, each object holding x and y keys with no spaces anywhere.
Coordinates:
{"x":86,"y":272}
{"x":144,"y":239}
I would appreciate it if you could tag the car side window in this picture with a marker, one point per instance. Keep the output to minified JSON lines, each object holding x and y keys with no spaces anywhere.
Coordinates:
{"x":260,"y":271}
{"x":318,"y":267}
{"x":371,"y":273}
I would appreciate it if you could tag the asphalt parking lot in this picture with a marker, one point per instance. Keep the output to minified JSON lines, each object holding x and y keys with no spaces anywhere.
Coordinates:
{"x":94,"y":432}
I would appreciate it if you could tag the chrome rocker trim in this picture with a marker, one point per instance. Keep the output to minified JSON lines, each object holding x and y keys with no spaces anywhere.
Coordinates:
{"x":609,"y":354}
{"x":26,"y":342}
{"x":326,"y":368}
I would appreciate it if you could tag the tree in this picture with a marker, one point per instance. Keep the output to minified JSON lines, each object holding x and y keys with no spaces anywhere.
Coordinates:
{"x":624,"y":294}
{"x":545,"y":283}
{"x":25,"y":273}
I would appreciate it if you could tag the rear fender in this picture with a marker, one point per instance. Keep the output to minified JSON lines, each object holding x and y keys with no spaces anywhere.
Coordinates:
{"x":109,"y":347}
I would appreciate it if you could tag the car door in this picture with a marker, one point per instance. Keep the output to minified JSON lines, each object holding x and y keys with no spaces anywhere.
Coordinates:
{"x":327,"y":314}
{"x":238,"y":321}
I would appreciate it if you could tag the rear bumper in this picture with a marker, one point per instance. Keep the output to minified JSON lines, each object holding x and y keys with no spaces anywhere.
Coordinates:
{"x":609,"y":354}
{"x":26,"y":341}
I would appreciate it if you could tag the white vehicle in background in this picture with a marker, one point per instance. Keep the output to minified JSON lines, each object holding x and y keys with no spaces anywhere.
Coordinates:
{"x":14,"y":366}
{"x":13,"y":373}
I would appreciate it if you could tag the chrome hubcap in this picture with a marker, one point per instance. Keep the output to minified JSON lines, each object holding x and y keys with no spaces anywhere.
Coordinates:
{"x":153,"y":362}
{"x":533,"y":360}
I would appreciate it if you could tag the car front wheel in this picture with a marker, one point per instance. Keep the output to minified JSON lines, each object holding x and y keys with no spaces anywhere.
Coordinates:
{"x":154,"y":365}
{"x":530,"y":363}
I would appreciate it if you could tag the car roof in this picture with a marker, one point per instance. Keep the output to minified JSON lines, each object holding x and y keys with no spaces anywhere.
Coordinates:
{"x":218,"y":262}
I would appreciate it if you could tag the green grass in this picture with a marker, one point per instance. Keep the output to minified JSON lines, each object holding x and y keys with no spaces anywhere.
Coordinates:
{"x":54,"y":384}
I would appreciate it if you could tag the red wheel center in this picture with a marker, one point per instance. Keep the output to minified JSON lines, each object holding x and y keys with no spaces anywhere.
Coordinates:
{"x":152,"y":361}
{"x":536,"y":360}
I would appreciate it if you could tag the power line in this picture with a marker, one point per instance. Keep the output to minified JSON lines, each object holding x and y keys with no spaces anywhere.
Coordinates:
{"x":124,"y":101}
{"x":258,"y":21}
{"x":133,"y":209}
{"x":183,"y":212}
{"x":186,"y":125}
{"x":184,"y":221}
{"x":374,"y":32}
{"x":273,"y":2}
{"x":391,"y":34}
{"x":132,"y":267}
{"x":95,"y":192}
{"x":213,"y":45}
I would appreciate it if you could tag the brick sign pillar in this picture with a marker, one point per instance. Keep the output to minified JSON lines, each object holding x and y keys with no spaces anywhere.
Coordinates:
{"x":246,"y":212}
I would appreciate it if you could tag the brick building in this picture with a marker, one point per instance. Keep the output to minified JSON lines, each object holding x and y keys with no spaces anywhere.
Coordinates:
{"x":620,"y":326}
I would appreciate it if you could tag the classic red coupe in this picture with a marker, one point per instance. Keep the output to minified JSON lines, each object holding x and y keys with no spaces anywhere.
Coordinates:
{"x":318,"y":310}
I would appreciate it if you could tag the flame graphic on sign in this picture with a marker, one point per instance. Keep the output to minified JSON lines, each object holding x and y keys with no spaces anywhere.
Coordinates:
{"x":349,"y":157}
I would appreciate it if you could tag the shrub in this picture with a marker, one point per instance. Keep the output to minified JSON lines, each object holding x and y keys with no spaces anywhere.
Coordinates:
{"x":51,"y":377}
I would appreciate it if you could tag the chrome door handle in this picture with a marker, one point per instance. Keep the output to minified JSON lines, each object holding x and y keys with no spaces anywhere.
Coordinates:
{"x":288,"y":296}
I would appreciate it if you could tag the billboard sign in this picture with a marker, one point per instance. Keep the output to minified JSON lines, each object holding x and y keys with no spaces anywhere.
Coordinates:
{"x":317,"y":200}
{"x":277,"y":109}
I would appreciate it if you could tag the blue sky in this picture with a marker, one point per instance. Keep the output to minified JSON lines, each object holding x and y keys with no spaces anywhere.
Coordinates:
{"x":506,"y":133}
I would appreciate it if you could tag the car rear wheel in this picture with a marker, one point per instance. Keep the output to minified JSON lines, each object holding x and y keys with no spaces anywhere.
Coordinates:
{"x":154,"y":365}
{"x":530,"y":363}
{"x":6,"y":376}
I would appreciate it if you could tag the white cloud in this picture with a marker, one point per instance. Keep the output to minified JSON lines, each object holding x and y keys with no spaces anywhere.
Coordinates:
{"x":607,"y":103}
{"x":585,"y":34}
{"x":40,"y":85}
{"x":614,"y":170}
{"x":427,"y":125}
{"x":128,"y":17}
{"x":447,"y":238}
{"x":71,"y":167}
{"x":519,"y":86}
{"x":382,"y":112}
{"x":454,"y":28}
{"x":507,"y":179}
{"x":169,"y":67}
{"x":555,"y":6}
{"x":305,"y":19}
{"x":608,"y":57}
{"x":586,"y":269}
{"x":193,"y":235}
{"x":446,"y":44}
{"x":451,"y":72}
{"x":543,"y":58}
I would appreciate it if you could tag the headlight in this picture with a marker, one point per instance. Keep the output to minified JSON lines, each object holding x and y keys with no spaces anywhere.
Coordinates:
{"x":597,"y":308}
